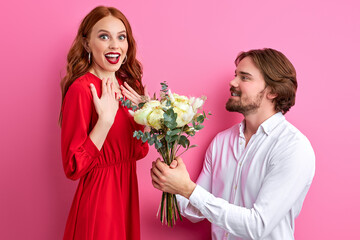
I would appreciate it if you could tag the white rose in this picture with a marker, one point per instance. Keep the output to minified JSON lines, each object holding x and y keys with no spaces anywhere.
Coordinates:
{"x":198,"y":102}
{"x":180,"y":98}
{"x":141,"y":115}
{"x":155,"y":118}
{"x":184,"y":117}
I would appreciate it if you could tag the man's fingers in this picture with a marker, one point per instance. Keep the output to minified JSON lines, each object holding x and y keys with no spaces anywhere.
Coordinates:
{"x":160,"y":165}
{"x":157,"y":186}
{"x":173,"y":164}
{"x":179,"y":161}
{"x":156,"y":172}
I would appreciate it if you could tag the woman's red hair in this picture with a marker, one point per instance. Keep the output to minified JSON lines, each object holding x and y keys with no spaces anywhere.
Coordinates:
{"x":77,"y":58}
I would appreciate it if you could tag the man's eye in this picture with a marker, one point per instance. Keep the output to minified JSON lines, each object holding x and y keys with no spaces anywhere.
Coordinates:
{"x":122,"y":37}
{"x":104,"y":37}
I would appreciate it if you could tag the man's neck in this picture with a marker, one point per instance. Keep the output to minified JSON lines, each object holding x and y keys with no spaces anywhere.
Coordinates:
{"x":254,"y":120}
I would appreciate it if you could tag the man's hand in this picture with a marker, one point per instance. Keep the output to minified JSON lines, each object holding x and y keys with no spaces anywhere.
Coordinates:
{"x":174,"y":179}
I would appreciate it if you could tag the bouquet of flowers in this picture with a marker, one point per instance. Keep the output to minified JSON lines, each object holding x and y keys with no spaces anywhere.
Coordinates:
{"x":172,"y":120}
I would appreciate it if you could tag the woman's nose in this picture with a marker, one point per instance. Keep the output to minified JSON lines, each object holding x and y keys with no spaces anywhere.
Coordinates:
{"x":114,"y":44}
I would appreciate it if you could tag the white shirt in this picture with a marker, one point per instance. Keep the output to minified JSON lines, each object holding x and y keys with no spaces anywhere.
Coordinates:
{"x":257,"y":191}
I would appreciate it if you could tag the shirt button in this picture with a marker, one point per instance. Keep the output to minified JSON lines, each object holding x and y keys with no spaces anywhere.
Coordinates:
{"x":235,"y":187}
{"x":226,"y":235}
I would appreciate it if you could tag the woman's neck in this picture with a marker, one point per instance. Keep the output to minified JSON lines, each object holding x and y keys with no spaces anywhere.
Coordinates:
{"x":104,"y":75}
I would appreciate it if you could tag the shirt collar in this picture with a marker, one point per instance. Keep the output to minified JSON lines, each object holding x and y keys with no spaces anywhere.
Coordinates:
{"x":267,"y":126}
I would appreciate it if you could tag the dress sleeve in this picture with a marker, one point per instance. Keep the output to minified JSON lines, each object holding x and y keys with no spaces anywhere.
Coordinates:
{"x":141,"y":149}
{"x":79,"y":153}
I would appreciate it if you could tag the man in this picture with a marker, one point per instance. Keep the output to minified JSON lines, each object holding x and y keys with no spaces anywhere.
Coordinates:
{"x":256,"y":174}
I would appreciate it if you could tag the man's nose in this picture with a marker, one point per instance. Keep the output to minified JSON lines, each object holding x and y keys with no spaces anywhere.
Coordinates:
{"x":234,"y":83}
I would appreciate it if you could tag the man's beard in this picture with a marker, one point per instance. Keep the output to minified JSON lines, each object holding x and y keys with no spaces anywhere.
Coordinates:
{"x":238,"y":105}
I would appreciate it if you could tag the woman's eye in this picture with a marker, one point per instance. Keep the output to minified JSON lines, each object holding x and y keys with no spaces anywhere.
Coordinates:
{"x":244,"y":78}
{"x":122,"y":37}
{"x":104,"y":37}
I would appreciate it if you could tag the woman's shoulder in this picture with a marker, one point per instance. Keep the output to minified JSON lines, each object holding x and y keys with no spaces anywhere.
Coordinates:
{"x":86,"y":79}
{"x":81,"y":86}
{"x":83,"y":83}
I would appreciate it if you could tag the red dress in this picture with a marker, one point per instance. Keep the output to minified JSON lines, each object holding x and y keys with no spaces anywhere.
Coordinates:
{"x":106,"y":202}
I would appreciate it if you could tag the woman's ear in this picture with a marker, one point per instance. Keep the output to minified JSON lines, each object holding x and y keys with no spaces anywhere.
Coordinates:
{"x":85,"y":43}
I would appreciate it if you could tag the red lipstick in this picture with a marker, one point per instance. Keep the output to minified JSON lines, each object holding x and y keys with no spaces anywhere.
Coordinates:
{"x":113,"y":57}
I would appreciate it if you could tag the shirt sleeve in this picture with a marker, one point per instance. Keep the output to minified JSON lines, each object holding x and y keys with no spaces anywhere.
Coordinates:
{"x":204,"y":180}
{"x":79,"y":153}
{"x":288,"y":179}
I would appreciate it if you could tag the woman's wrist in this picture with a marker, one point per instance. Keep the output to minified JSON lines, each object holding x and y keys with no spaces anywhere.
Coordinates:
{"x":105,"y":123}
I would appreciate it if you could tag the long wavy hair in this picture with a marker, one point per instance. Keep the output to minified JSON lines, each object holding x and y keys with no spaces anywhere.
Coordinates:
{"x":279,"y":74}
{"x":77,"y":58}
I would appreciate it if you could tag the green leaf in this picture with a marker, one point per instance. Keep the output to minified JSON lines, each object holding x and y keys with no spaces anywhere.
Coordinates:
{"x":192,"y":146}
{"x":200,"y":118}
{"x":158,"y":145}
{"x":164,"y":87}
{"x":147,"y":134}
{"x":151,"y":141}
{"x":198,"y":127}
{"x":137,"y":134}
{"x":168,"y":103}
{"x":183,"y":141}
{"x":173,"y":132}
{"x":144,"y":138}
{"x":141,"y":104}
{"x":171,"y":139}
{"x":170,"y":118}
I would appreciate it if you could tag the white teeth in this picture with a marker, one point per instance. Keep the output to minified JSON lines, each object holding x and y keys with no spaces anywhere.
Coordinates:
{"x":234,"y":94}
{"x":112,"y":55}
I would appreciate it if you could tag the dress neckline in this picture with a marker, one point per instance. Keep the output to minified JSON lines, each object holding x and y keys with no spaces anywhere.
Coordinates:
{"x":95,"y":76}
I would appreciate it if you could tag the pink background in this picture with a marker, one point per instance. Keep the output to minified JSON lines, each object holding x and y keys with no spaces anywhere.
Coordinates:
{"x":192,"y":45}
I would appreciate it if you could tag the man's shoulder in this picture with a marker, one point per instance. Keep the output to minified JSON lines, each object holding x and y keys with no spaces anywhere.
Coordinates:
{"x":286,"y":130}
{"x":289,"y":136}
{"x":228,"y":133}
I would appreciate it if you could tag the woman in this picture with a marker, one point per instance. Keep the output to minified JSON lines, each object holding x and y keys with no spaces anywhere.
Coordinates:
{"x":96,"y":134}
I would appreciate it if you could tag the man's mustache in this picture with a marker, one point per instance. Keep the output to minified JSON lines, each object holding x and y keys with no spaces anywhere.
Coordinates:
{"x":233,"y":90}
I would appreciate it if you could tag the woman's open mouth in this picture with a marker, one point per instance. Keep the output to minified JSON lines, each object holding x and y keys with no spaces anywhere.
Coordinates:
{"x":112,"y":58}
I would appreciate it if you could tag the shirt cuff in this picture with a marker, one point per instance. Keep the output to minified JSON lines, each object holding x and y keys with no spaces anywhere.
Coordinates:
{"x":199,"y":197}
{"x":90,"y":148}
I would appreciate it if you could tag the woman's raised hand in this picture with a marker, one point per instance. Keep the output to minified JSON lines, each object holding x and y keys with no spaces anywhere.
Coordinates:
{"x":107,"y":105}
{"x":132,"y":95}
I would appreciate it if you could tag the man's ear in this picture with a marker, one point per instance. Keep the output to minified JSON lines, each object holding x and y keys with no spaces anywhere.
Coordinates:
{"x":85,"y":43}
{"x":271,"y":95}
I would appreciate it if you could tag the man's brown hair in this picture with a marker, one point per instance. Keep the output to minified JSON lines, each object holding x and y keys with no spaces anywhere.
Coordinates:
{"x":279,"y":75}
